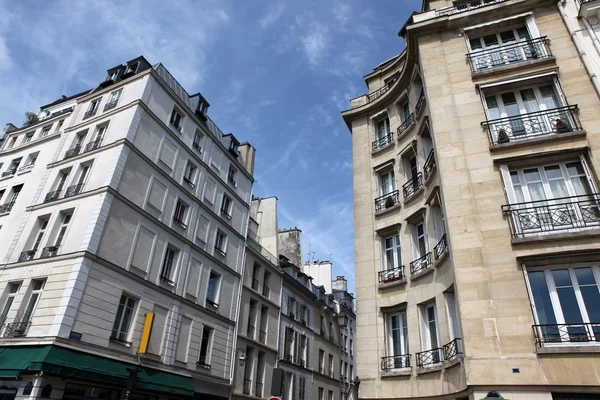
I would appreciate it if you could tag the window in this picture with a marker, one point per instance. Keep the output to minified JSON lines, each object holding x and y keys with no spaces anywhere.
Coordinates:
{"x":264,"y":318}
{"x":168,"y":265}
{"x":45,"y":131}
{"x":322,"y":326}
{"x":411,"y":173}
{"x":16,"y":190}
{"x":301,"y":388}
{"x":204,"y":356}
{"x":351,"y":374}
{"x":189,"y":176}
{"x":330,"y":395}
{"x":321,"y":361}
{"x":221,"y":242}
{"x":27,"y":138}
{"x":37,"y":286}
{"x":113,"y":99}
{"x":46,"y":391}
{"x":98,"y":137}
{"x":92,"y":108}
{"x":392,"y":252}
{"x":231,"y":175}
{"x":66,"y":220}
{"x":79,"y":139}
{"x":321,"y":393}
{"x":197,"y":143}
{"x":12,"y":167}
{"x":255,"y":281}
{"x":12,"y":142}
{"x":31,"y":159}
{"x":183,"y":340}
{"x":212,"y":292}
{"x":429,"y":330}
{"x":251,"y":319}
{"x":288,"y":344}
{"x":330,"y":371}
{"x":28,"y":389}
{"x":383,"y":130}
{"x":351,"y":347}
{"x":387,"y":183}
{"x":331,"y":333}
{"x":291,"y":307}
{"x":266,"y":291}
{"x":397,"y":340}
{"x":60,"y":125}
{"x":12,"y":290}
{"x":226,"y":206}
{"x":565,"y":300}
{"x":42,"y":225}
{"x":248,"y":370}
{"x":179,"y":214}
{"x":176,"y":119}
{"x":123,"y":320}
{"x":452,"y":311}
{"x":420,"y":245}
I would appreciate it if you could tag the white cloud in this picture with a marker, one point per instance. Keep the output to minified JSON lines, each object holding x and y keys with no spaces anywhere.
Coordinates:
{"x":272,"y":15}
{"x":315,"y":42}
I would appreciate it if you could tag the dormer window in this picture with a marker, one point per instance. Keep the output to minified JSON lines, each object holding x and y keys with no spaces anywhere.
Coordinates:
{"x":132,"y":68}
{"x":233,"y":147}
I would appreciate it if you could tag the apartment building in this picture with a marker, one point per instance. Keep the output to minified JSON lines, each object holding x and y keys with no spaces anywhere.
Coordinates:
{"x":475,"y":158}
{"x":124,"y":215}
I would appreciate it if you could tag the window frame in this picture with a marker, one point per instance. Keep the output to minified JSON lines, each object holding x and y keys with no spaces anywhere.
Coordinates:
{"x":226,"y":206}
{"x":207,"y":349}
{"x":221,"y":244}
{"x":168,"y":268}
{"x":9,"y":298}
{"x":396,"y":252}
{"x":214,"y":301}
{"x":31,"y":305}
{"x":175,"y":122}
{"x":117,"y":331}
{"x":180,"y":213}
{"x":426,"y":337}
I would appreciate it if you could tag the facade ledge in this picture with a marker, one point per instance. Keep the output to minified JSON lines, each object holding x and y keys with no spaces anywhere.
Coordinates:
{"x":413,"y":196}
{"x":256,"y":342}
{"x":4,"y":178}
{"x":383,"y":148}
{"x":557,"y":236}
{"x":522,"y":65}
{"x":537,"y":139}
{"x":50,"y":136}
{"x":396,"y":372}
{"x":392,"y":283}
{"x":428,"y":369}
{"x":422,"y":273}
{"x":262,"y":296}
{"x":560,"y":349}
{"x":455,"y":361}
{"x":387,"y":210}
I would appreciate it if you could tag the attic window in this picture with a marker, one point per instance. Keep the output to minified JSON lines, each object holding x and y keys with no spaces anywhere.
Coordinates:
{"x":132,"y":67}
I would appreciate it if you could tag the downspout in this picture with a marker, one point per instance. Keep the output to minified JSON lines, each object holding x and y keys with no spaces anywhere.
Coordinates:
{"x":587,"y":62}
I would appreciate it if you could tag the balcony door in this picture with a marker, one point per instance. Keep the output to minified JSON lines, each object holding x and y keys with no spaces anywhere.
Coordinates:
{"x":398,"y":339}
{"x":383,"y":130}
{"x":502,"y":48}
{"x":565,"y":300}
{"x":387,"y":183}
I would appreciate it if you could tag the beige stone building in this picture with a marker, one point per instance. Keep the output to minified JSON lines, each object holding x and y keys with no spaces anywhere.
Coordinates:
{"x":475,"y":160}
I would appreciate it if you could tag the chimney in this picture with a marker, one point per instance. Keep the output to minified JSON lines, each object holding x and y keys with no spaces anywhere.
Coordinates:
{"x":248,"y":154}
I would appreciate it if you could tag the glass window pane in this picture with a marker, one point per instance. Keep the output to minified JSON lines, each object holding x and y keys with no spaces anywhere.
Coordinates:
{"x":475,"y":44}
{"x":541,"y":298}
{"x":562,"y":278}
{"x":507,"y":36}
{"x":591,"y":298}
{"x":585,"y":276}
{"x":566,"y":295}
{"x":523,"y":33}
{"x":490,"y":40}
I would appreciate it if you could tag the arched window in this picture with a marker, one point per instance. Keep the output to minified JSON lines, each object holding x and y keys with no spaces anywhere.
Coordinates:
{"x":46,"y":391}
{"x":28,"y":389}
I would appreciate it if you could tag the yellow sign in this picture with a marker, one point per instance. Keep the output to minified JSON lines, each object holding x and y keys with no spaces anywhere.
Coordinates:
{"x":146,"y":333}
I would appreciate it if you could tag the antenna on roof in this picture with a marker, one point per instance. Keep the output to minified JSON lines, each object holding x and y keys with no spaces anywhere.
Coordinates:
{"x":311,"y":254}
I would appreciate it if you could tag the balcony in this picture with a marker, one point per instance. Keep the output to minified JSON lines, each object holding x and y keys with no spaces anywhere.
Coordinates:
{"x":421,"y":264}
{"x":566,"y":334}
{"x":395,"y":362}
{"x":543,"y":217}
{"x":441,"y":249}
{"x":429,"y":167}
{"x":452,"y":350}
{"x":27,"y":255}
{"x":420,"y":103}
{"x":429,"y":357}
{"x":392,"y":275}
{"x":93,"y":145}
{"x":50,"y":251}
{"x":74,"y":190}
{"x":466,"y":6}
{"x":247,"y":385}
{"x":383,"y":142}
{"x":511,"y":54}
{"x":16,"y":329}
{"x":9,"y":172}
{"x":111,"y":105}
{"x":406,"y":124}
{"x":380,"y":92}
{"x":90,"y":113}
{"x":72,"y":152}
{"x":6,"y":207}
{"x":412,"y":185}
{"x":51,"y":196}
{"x":387,"y":201}
{"x":554,"y":121}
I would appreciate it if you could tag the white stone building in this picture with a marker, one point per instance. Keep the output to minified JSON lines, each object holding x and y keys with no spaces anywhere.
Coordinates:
{"x":123,"y":201}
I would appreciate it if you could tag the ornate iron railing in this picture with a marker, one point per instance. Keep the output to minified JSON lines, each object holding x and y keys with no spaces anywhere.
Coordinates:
{"x":110,"y":105}
{"x":490,"y":59}
{"x":49,"y":251}
{"x":90,"y":113}
{"x":51,"y":196}
{"x":420,"y":103}
{"x":429,"y":166}
{"x":452,"y":349}
{"x":6,"y":207}
{"x":429,"y":357}
{"x":74,"y":190}
{"x":412,"y":185}
{"x":566,"y":333}
{"x":387,"y":201}
{"x":407,"y":123}
{"x":384,"y":141}
{"x":539,"y":123}
{"x":72,"y":152}
{"x":394,"y":362}
{"x":9,"y":172}
{"x":391,"y":275}
{"x":27,"y":255}
{"x":467,"y":6}
{"x":93,"y":145}
{"x":441,"y":248}
{"x":16,"y":329}
{"x":379,"y":92}
{"x":420,"y":264}
{"x":553,"y":215}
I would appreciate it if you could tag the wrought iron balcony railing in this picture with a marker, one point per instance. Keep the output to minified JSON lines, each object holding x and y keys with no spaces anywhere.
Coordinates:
{"x":51,"y":196}
{"x":49,"y":251}
{"x":6,"y":207}
{"x":392,"y":275}
{"x":27,"y":255}
{"x":511,"y":54}
{"x":429,"y":357}
{"x":384,"y":141}
{"x":93,"y":145}
{"x":16,"y":329}
{"x":412,"y":185}
{"x":72,"y":152}
{"x":467,"y":6}
{"x":452,"y":349}
{"x":9,"y":172}
{"x":420,"y":264}
{"x":110,"y":105}
{"x":540,"y":123}
{"x":90,"y":113}
{"x":407,"y":123}
{"x":395,"y":362}
{"x":558,"y":334}
{"x":387,"y":201}
{"x":74,"y":190}
{"x":247,"y":385}
{"x":429,"y":166}
{"x":262,"y":337}
{"x":420,"y":103}
{"x":553,"y":215}
{"x":380,"y":92}
{"x":441,"y":248}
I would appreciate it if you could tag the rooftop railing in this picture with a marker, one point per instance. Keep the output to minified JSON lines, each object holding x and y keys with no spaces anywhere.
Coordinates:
{"x":466,"y":6}
{"x":379,"y":92}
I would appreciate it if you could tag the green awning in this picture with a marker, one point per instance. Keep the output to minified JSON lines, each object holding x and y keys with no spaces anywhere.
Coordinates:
{"x":76,"y":364}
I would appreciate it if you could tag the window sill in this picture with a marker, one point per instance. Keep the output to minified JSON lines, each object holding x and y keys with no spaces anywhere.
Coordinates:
{"x":422,"y":273}
{"x":550,"y":137}
{"x":26,"y":170}
{"x":137,"y":271}
{"x":412,"y":197}
{"x":397,"y":372}
{"x":3,"y":178}
{"x":512,"y":67}
{"x":392,"y":283}
{"x":564,"y":235}
{"x":568,"y":349}
{"x":387,"y":210}
{"x":430,"y":368}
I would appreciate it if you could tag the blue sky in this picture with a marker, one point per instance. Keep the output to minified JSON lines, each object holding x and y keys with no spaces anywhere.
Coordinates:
{"x":276,"y":73}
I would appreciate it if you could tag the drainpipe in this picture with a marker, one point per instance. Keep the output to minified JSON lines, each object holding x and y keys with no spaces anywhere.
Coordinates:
{"x":587,"y":62}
